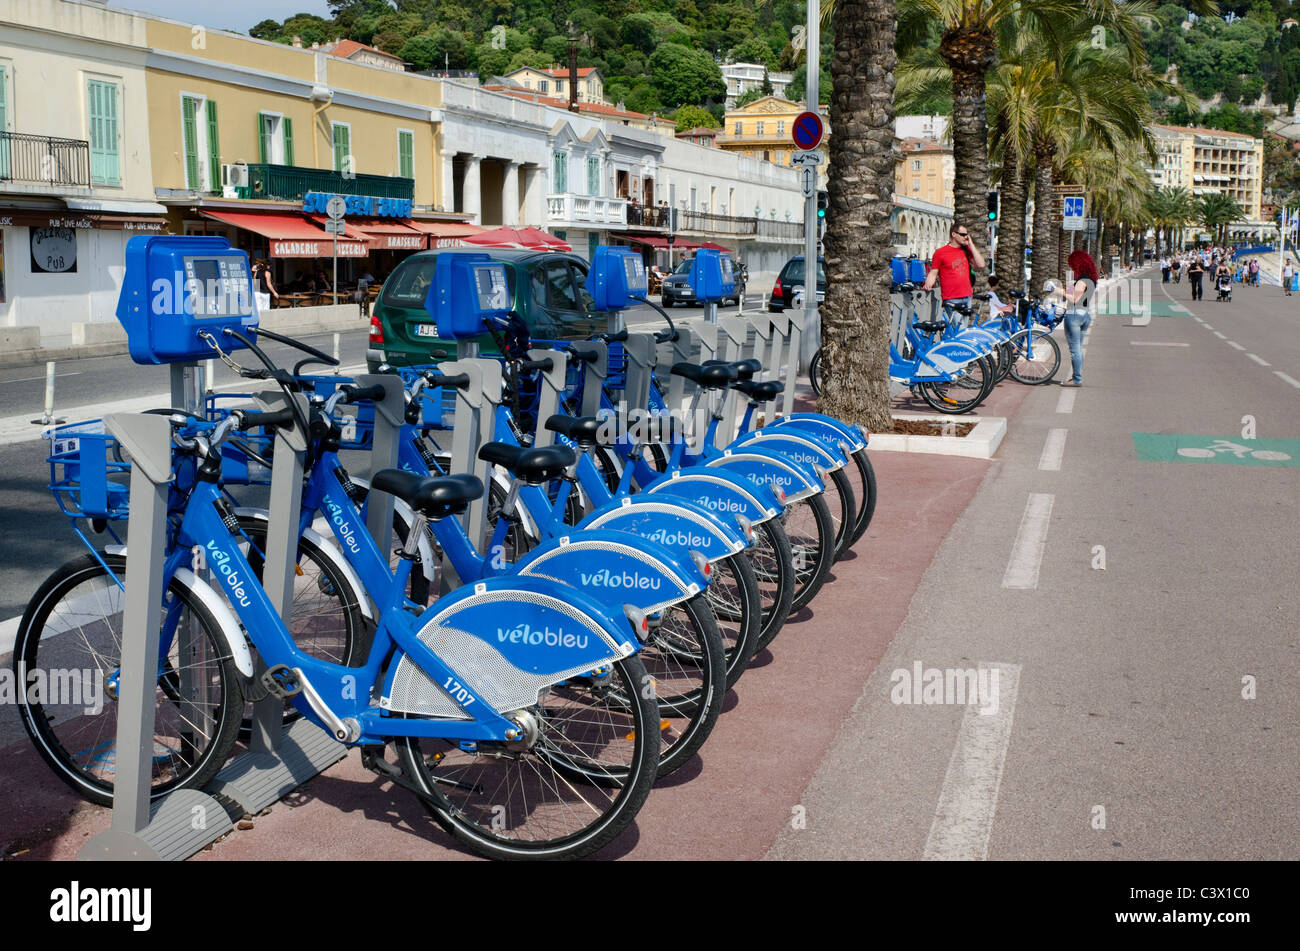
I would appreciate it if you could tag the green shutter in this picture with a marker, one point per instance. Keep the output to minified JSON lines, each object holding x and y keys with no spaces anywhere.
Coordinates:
{"x":263,"y":139}
{"x":190,"y":136}
{"x":342,"y":146}
{"x":102,"y":112}
{"x":287,"y":125}
{"x":214,"y":150}
{"x":406,"y":154}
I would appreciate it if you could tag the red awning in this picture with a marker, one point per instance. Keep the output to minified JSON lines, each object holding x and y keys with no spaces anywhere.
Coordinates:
{"x":390,"y":234}
{"x":716,"y":247}
{"x":291,"y":235}
{"x":649,"y":242}
{"x":445,"y":234}
{"x":533,"y":239}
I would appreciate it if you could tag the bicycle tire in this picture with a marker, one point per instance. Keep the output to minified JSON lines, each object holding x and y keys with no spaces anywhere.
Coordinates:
{"x":91,"y":770}
{"x":843,"y":507}
{"x":812,"y":545}
{"x":733,"y":595}
{"x":630,"y":732}
{"x":1037,"y":371}
{"x":865,"y":492}
{"x":815,"y":372}
{"x":773,"y":562}
{"x":960,"y":395}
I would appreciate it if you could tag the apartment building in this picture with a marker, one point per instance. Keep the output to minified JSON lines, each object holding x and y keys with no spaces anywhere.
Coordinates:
{"x":554,"y":81}
{"x":925,"y":171}
{"x":1211,"y":161}
{"x":762,"y":130}
{"x":743,"y":77}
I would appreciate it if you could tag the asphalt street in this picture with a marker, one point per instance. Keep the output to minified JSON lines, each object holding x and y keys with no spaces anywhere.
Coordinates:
{"x":1124,"y":730}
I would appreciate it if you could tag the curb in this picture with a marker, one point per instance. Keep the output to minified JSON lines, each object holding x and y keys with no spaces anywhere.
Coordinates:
{"x":980,"y":443}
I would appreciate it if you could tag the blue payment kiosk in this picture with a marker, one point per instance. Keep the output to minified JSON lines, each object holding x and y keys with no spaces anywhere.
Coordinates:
{"x":713,"y":278}
{"x":179,"y":288}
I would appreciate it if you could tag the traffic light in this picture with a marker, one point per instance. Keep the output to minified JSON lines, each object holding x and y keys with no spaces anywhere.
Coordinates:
{"x":993,"y":206}
{"x":822,"y":200}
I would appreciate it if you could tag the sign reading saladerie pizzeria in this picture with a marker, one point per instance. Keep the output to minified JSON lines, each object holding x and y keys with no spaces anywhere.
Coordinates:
{"x":54,"y":250}
{"x":313,"y":203}
{"x":295,"y":248}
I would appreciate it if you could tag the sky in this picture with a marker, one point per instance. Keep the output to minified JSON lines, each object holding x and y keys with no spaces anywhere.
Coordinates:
{"x":234,"y":15}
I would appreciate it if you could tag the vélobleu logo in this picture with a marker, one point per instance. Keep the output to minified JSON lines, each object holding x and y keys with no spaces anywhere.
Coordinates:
{"x":525,"y":633}
{"x":665,"y":537}
{"x":345,"y":530}
{"x":220,"y":562}
{"x":616,"y":579}
{"x":721,"y":505}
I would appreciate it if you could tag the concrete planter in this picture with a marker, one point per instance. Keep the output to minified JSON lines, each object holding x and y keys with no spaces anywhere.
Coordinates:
{"x":980,"y":443}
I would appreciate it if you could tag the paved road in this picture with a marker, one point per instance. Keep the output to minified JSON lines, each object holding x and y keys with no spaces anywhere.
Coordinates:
{"x":1122,"y":731}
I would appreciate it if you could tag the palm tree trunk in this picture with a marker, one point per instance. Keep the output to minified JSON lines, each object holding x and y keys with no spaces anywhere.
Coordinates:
{"x":1011,"y":224}
{"x":969,"y":53}
{"x":856,"y":318}
{"x":1044,"y":228}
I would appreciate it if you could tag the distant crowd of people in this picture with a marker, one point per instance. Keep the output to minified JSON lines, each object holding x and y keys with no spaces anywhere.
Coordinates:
{"x":1222,"y":266}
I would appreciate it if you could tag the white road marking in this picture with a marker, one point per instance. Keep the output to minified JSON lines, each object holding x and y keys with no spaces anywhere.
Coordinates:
{"x":1156,"y":343}
{"x":1262,"y":362}
{"x":1292,"y":380}
{"x":963,"y":818}
{"x":1220,"y":336}
{"x":1065,"y":403}
{"x":16,"y":429}
{"x":33,"y":379}
{"x":1206,"y":326}
{"x":1235,"y":345}
{"x":1027,"y":552}
{"x":1053,"y":449}
{"x":1197,"y":319}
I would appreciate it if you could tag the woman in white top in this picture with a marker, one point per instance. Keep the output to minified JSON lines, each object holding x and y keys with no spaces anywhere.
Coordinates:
{"x":1078,"y":318}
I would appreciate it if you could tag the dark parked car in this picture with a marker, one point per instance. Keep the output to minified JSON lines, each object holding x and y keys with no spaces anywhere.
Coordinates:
{"x":677,"y":289}
{"x":791,"y":276}
{"x":547,"y":289}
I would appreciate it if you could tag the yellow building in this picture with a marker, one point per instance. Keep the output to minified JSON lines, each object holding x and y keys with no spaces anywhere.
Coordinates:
{"x":250,"y":138}
{"x":762,"y":130}
{"x":924,"y":171}
{"x":1211,"y":161}
{"x":555,"y":82}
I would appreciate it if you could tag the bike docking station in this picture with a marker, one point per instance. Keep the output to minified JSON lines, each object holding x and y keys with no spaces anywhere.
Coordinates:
{"x":180,"y":296}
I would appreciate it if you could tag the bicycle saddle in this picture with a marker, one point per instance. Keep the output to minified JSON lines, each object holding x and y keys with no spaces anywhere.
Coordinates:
{"x":434,"y":496}
{"x":930,"y":326}
{"x":760,"y":392}
{"x":534,"y":466}
{"x":581,"y":429}
{"x":902,"y":287}
{"x":1016,"y":294}
{"x":981,"y":296}
{"x":709,"y":377}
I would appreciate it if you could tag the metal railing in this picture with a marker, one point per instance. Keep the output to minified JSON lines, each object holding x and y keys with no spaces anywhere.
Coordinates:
{"x":44,"y":159}
{"x":291,"y":182}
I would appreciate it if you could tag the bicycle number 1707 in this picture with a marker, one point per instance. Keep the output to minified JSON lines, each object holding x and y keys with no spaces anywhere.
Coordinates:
{"x":458,"y":693}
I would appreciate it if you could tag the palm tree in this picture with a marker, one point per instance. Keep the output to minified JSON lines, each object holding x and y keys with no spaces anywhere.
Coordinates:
{"x":855,"y":319}
{"x":1217,"y":212}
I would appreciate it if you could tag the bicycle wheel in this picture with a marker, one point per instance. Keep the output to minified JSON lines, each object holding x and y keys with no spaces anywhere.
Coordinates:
{"x":863,"y":478}
{"x":843,"y":508}
{"x":1037,"y":358}
{"x":684,"y":656}
{"x":773,"y":563}
{"x":74,"y":624}
{"x":815,"y":372}
{"x":521,"y":803}
{"x":961,"y":394}
{"x":808,"y":525}
{"x":733,"y":595}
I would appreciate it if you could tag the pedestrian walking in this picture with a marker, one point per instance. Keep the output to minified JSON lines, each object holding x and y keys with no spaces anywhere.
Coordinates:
{"x":1195,"y":274}
{"x":1164,"y":270}
{"x":1078,"y":315}
{"x":1287,"y":273}
{"x":1176,"y":269}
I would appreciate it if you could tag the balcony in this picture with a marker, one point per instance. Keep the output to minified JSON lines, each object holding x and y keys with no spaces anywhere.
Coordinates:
{"x":570,"y":210}
{"x":291,"y":182}
{"x":44,"y":163}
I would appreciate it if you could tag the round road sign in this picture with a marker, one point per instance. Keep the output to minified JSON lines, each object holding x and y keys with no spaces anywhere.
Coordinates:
{"x":807,"y":131}
{"x":336,"y":207}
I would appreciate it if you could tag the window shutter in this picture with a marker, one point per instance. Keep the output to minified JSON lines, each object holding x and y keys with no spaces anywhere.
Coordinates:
{"x":102,"y":111}
{"x":287,"y":124}
{"x":406,"y":154}
{"x":214,"y":149}
{"x":4,"y":122}
{"x":190,"y":136}
{"x":342,"y":146}
{"x":263,"y":139}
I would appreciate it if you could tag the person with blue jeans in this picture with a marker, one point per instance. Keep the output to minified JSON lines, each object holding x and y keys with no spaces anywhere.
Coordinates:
{"x":1078,"y":316}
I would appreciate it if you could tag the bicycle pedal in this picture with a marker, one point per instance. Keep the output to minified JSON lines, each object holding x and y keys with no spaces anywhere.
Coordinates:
{"x":281,"y":681}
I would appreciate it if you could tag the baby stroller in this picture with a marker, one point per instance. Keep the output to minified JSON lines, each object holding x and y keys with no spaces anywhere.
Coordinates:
{"x":1224,"y":286}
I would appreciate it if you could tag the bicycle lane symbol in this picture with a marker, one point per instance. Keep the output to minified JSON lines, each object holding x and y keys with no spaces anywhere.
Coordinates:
{"x":1186,"y":447}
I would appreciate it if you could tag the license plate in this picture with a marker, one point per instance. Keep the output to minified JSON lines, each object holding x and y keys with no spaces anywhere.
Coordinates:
{"x":426,"y":330}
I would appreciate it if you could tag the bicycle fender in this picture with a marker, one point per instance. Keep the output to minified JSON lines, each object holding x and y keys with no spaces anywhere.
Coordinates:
{"x":801,"y":447}
{"x":946,"y":360}
{"x":507,"y":639}
{"x":673,"y":522}
{"x":616,"y":568}
{"x":225,"y":618}
{"x":819,"y":424}
{"x":720,"y":491}
{"x":329,"y":550}
{"x":796,"y":479}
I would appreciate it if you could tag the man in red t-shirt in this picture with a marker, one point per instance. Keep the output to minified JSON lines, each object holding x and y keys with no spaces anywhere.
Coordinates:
{"x":951,"y":266}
